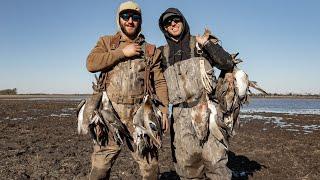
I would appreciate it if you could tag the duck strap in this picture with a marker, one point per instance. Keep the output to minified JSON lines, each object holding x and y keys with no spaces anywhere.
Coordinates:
{"x":149,"y":52}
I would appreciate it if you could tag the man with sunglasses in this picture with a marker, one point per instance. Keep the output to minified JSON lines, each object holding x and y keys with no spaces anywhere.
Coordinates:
{"x":184,"y":55}
{"x":122,"y":57}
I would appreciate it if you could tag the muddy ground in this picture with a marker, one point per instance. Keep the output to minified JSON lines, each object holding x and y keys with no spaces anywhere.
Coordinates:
{"x":38,"y":140}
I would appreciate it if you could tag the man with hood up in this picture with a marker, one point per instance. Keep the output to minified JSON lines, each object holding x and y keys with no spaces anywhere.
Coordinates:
{"x":184,"y":55}
{"x":122,"y":58}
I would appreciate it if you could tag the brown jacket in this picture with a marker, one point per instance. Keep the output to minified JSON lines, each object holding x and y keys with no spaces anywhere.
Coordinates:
{"x":102,"y":58}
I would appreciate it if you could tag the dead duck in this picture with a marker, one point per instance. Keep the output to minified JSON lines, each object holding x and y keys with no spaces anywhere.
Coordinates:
{"x":225,"y":91}
{"x":152,"y":122}
{"x":234,"y":83}
{"x":98,"y":129}
{"x":147,"y":126}
{"x":228,"y":101}
{"x":200,"y":118}
{"x":232,"y":91}
{"x":85,"y":110}
{"x":214,"y":125}
{"x":82,"y":129}
{"x":242,"y":81}
{"x":110,"y":116}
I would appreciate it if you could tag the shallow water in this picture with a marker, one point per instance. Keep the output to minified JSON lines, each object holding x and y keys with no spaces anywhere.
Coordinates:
{"x":283,"y":105}
{"x":32,"y":114}
{"x":282,"y":123}
{"x":45,"y":98}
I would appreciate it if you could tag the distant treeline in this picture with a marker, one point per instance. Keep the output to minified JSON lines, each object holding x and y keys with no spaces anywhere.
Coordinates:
{"x":8,"y":91}
{"x":287,"y":95}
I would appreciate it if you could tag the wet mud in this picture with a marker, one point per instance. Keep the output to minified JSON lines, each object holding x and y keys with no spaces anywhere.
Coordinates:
{"x":39,"y":141}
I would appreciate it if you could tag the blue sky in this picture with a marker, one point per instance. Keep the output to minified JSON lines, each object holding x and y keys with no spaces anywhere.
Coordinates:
{"x":44,"y":43}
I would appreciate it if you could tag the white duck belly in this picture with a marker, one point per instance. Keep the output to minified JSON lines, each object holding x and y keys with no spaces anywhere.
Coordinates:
{"x":242,"y":82}
{"x":81,"y":129}
{"x":213,"y":126}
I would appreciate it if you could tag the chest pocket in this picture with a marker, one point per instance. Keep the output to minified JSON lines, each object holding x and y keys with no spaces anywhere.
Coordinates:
{"x":126,"y":81}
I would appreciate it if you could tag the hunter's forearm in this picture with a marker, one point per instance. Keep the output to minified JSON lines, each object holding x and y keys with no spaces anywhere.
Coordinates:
{"x":101,"y":58}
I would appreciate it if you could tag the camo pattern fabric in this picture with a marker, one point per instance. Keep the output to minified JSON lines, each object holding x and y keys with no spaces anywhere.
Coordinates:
{"x":192,"y":160}
{"x":104,"y":157}
{"x":184,"y":80}
{"x":126,"y":81}
{"x":184,"y":77}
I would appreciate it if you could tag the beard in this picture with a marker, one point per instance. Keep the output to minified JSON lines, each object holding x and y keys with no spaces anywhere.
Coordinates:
{"x":132,"y":35}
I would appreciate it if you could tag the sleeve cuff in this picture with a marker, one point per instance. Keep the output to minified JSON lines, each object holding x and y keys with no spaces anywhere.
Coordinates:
{"x":205,"y":43}
{"x":118,"y":53}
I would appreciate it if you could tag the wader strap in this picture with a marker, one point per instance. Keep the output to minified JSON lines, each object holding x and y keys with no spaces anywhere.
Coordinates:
{"x":149,"y":52}
{"x":192,"y":45}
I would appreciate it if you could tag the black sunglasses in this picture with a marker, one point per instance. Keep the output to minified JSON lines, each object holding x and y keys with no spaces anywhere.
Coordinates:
{"x":169,"y":20}
{"x":134,"y":16}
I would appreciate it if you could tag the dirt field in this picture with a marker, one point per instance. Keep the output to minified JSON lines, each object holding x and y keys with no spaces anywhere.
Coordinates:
{"x":39,"y":141}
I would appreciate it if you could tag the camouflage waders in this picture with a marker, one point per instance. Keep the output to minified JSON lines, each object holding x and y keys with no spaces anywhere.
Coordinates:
{"x":192,"y":160}
{"x":125,"y":88}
